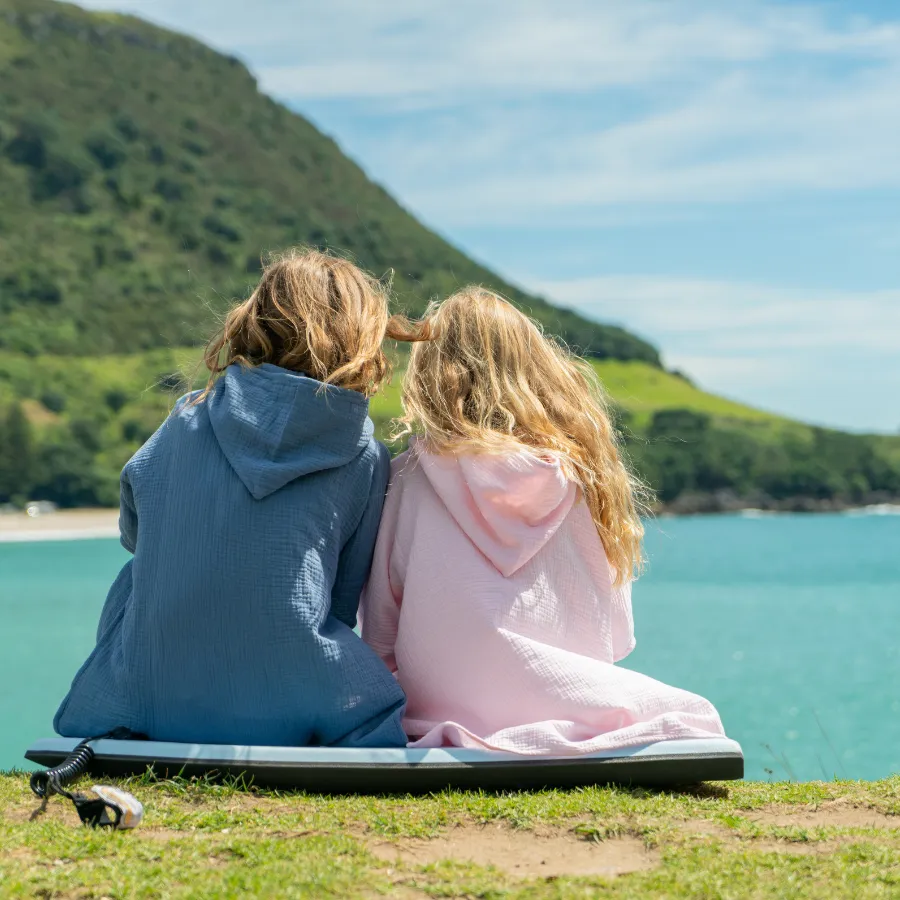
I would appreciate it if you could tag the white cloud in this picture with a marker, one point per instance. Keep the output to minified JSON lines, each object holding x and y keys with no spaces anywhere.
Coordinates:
{"x":527,"y":109}
{"x":359,"y":49}
{"x":826,"y":356}
{"x":728,"y":317}
{"x":515,"y":47}
{"x":507,"y":47}
{"x":739,"y":138}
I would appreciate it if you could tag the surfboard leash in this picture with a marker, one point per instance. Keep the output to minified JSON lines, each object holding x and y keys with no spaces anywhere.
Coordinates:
{"x":104,"y":806}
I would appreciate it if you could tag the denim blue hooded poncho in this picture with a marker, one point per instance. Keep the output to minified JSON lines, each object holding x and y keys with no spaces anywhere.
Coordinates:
{"x":252,"y":517}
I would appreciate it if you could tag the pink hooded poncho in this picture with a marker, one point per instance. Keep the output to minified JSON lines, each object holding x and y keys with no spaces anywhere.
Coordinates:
{"x":491,"y":599}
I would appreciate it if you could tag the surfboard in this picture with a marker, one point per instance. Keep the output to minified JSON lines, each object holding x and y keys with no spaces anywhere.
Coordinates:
{"x":390,"y":770}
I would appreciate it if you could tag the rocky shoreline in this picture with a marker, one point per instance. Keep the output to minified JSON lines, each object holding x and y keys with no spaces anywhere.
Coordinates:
{"x":725,"y":501}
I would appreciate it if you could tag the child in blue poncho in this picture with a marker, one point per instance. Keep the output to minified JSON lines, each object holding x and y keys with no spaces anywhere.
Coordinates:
{"x":251,"y":515}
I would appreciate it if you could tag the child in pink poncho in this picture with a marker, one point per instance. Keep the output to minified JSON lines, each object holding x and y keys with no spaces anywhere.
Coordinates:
{"x":500,"y":592}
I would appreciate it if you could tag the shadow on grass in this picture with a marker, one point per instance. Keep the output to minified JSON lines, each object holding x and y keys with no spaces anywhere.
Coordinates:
{"x":213,"y":782}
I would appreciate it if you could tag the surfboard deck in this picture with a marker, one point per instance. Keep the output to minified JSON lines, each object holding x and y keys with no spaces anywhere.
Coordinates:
{"x":344,"y":770}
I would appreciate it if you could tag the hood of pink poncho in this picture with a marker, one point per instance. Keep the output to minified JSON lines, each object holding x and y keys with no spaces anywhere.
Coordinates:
{"x":509,"y":506}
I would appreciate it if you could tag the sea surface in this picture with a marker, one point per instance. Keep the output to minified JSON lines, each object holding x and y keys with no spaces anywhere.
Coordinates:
{"x":789,"y":624}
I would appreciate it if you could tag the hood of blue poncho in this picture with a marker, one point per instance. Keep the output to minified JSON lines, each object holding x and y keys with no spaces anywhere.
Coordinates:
{"x":274,"y":425}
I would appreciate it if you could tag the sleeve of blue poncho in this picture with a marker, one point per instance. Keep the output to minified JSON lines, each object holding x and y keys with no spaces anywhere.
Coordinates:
{"x":356,"y":555}
{"x":128,"y":525}
{"x":128,"y":521}
{"x":128,"y":518}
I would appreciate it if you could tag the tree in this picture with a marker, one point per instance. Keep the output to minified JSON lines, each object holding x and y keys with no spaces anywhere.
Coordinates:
{"x":16,"y":454}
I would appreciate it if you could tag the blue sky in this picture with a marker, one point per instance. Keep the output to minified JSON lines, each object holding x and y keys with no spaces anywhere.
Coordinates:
{"x":722,"y":178}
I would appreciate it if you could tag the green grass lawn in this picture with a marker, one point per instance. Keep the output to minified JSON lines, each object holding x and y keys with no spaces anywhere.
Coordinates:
{"x":815,"y":840}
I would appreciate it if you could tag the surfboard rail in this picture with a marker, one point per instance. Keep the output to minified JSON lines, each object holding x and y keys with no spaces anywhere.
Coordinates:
{"x":391,"y":770}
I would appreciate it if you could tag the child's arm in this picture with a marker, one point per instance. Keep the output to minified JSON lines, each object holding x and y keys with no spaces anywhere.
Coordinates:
{"x":128,"y":531}
{"x":128,"y":517}
{"x":356,"y":555}
{"x":128,"y":521}
{"x":622,"y":620}
{"x":384,"y":592}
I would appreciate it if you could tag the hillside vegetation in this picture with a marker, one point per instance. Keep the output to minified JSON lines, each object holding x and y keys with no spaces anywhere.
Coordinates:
{"x":142,"y":176}
{"x":68,"y":424}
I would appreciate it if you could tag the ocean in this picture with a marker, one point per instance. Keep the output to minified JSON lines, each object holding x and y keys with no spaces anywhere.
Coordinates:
{"x":789,"y":624}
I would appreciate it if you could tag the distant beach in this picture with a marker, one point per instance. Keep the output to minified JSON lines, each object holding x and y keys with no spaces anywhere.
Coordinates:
{"x":61,"y":525}
{"x":84,"y":524}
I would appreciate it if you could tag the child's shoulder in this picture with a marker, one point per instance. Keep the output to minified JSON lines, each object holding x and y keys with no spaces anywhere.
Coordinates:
{"x":403,"y":466}
{"x":372,"y":462}
{"x":374,"y":455}
{"x":183,"y":409}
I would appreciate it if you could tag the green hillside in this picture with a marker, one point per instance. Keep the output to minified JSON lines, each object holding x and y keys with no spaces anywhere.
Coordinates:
{"x":142,"y":175}
{"x":68,"y":424}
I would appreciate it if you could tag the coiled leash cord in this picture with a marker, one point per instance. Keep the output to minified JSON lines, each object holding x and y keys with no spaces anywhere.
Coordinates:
{"x":104,"y":806}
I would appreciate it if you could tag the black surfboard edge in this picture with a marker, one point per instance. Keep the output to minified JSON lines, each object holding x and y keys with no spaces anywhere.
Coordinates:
{"x":411,"y":778}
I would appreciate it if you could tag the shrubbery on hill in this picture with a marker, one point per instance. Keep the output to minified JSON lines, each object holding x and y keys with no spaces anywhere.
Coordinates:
{"x":697,"y":461}
{"x":68,"y":425}
{"x":143,"y":175}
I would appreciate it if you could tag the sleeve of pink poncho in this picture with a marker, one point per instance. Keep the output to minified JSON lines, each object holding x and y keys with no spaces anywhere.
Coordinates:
{"x":622,"y":620}
{"x":380,"y":605}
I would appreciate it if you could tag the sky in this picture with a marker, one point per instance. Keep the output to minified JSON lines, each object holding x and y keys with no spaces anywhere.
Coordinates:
{"x":721,"y":178}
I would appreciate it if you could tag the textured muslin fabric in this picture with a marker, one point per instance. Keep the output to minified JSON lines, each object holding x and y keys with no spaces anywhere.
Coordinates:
{"x":492,"y":600}
{"x":251,"y":517}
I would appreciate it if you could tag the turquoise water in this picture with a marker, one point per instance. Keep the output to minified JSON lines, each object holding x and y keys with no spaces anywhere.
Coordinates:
{"x":789,"y":624}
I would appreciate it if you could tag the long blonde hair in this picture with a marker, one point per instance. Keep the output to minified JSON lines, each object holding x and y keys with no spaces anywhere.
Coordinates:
{"x":482,"y":376}
{"x":312,"y":313}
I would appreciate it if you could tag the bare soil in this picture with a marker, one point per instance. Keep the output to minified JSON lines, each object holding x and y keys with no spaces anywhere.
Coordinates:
{"x":523,"y":853}
{"x":832,"y":813}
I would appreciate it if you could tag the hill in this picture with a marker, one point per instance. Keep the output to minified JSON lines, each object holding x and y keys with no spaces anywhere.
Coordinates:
{"x":69,"y":423}
{"x":142,"y":175}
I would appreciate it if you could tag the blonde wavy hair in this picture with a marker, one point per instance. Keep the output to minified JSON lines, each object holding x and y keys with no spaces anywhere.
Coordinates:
{"x":311,"y":313}
{"x":482,"y":377}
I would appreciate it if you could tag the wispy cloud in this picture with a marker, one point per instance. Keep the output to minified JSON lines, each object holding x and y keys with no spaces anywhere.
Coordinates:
{"x":356,"y":49}
{"x":729,"y":317}
{"x":769,"y":343}
{"x":680,"y":100}
{"x":739,"y":137}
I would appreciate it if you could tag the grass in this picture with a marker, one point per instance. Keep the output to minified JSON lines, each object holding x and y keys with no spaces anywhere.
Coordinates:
{"x":644,"y":389}
{"x":204,"y":839}
{"x":638,"y":387}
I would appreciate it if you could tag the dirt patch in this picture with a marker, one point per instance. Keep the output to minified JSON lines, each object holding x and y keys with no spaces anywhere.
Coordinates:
{"x":32,"y":811}
{"x":831,"y":813}
{"x":399,"y":891}
{"x":703,"y":828}
{"x":21,"y":854}
{"x":796,"y":848}
{"x":523,"y":853}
